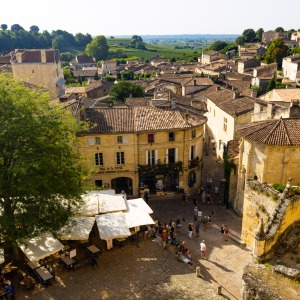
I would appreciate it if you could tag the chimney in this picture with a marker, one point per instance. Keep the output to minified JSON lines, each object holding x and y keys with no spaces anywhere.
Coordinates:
{"x":254,"y":93}
{"x":19,"y":57}
{"x":43,"y":56}
{"x":270,"y":111}
{"x":294,"y":109}
{"x":186,"y":117}
{"x":82,"y":114}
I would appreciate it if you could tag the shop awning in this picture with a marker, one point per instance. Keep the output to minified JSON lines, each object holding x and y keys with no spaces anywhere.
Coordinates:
{"x":40,"y":247}
{"x":78,"y":228}
{"x":111,"y":203}
{"x":95,"y":203}
{"x":136,"y":217}
{"x":139,"y":203}
{"x":112,"y":226}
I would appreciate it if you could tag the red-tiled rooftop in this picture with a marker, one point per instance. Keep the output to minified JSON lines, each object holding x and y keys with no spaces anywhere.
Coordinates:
{"x":139,"y":119}
{"x":282,"y":132}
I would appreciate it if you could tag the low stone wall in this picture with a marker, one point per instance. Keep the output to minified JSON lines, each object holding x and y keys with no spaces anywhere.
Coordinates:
{"x":260,"y":282}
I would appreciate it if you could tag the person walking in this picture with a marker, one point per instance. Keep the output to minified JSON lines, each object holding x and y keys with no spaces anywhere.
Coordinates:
{"x":190,"y":230}
{"x":209,"y":222}
{"x":200,"y":215}
{"x":225,"y":234}
{"x":195,"y":214}
{"x":194,"y":201}
{"x":203,"y":249}
{"x":203,"y":197}
{"x":208,"y":198}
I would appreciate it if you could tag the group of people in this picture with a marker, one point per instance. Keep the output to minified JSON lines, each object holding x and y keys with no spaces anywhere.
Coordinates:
{"x":5,"y":285}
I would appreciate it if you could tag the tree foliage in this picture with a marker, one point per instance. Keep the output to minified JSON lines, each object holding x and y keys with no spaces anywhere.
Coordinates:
{"x":40,"y":167}
{"x":3,"y":26}
{"x":276,"y":51}
{"x":258,"y":34}
{"x":279,"y":29}
{"x":97,"y":48}
{"x":34,"y":28}
{"x":249,"y":35}
{"x":137,"y":42}
{"x":16,"y":27}
{"x":217,"y":45}
{"x":120,"y":91}
{"x":296,"y":50}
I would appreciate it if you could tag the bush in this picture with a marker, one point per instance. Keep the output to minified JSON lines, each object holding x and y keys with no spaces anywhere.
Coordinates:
{"x":278,"y":187}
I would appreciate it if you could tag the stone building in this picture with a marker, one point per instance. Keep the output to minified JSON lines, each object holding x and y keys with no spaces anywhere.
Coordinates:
{"x":40,"y":67}
{"x":269,"y":152}
{"x":129,"y":148}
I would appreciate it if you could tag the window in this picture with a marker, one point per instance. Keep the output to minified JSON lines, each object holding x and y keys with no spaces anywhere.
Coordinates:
{"x":119,"y":139}
{"x":193,"y":133}
{"x":225,"y":125}
{"x":171,"y":156}
{"x":151,"y":157}
{"x":94,"y":141}
{"x":99,"y":159}
{"x":98,"y":183}
{"x":120,"y":158}
{"x":150,"y":138}
{"x":171,"y":136}
{"x":193,"y":153}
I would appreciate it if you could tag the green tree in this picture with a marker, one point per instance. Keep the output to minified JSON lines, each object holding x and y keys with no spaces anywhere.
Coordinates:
{"x":68,"y":76}
{"x":271,"y":85}
{"x":96,"y":77}
{"x":16,"y":27}
{"x":34,"y":28}
{"x":249,"y":35}
{"x":296,"y":50}
{"x":258,"y":34}
{"x":3,"y":26}
{"x":40,"y":167}
{"x":218,"y":45}
{"x":279,"y":29}
{"x":67,"y":56}
{"x":120,"y":91}
{"x":240,"y":40}
{"x":97,"y":48}
{"x":276,"y":51}
{"x":128,"y":75}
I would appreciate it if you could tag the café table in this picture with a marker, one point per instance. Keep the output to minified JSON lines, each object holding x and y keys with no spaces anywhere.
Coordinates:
{"x":33,"y":265}
{"x":93,"y":249}
{"x":68,"y":262}
{"x":44,"y":274}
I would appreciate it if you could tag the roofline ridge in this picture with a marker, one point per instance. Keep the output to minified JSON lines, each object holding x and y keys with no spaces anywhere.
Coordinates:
{"x":267,"y":122}
{"x":286,"y":131}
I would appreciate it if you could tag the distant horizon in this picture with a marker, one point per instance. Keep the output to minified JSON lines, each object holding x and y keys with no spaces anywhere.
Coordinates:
{"x":156,"y":18}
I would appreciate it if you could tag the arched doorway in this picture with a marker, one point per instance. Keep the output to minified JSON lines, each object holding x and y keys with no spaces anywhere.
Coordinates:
{"x":120,"y":184}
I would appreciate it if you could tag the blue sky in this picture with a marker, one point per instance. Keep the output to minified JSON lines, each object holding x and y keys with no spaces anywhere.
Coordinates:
{"x":120,"y":17}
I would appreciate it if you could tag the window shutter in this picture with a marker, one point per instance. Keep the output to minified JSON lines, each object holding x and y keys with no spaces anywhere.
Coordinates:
{"x":147,"y":157}
{"x":156,"y":156}
{"x":125,"y":139}
{"x":190,"y":154}
{"x":91,"y":141}
{"x":167,"y":156}
{"x":176,"y":154}
{"x":196,"y":151}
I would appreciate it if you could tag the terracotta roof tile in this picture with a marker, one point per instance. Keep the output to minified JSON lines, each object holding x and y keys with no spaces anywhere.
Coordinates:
{"x":282,"y":132}
{"x":139,"y":119}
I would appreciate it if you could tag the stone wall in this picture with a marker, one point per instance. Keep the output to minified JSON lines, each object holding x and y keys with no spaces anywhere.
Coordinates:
{"x":259,"y":204}
{"x":260,"y":282}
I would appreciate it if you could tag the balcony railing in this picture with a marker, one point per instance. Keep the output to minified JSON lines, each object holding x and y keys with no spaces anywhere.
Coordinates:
{"x":193,"y":163}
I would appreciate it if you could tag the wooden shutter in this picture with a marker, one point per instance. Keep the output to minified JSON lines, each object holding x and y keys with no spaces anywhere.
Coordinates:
{"x":167,"y":156}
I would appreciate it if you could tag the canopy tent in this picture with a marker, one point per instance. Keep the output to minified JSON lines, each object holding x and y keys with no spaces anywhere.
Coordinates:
{"x":40,"y":247}
{"x":139,"y":203}
{"x":112,"y":226}
{"x":1,"y":256}
{"x":112,"y":203}
{"x":95,"y":203}
{"x":78,"y":228}
{"x":136,"y":217}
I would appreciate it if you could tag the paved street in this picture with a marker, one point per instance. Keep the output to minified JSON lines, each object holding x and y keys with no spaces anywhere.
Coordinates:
{"x":226,"y":259}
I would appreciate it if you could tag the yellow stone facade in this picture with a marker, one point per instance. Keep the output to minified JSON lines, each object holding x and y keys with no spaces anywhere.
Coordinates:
{"x":126,"y":175}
